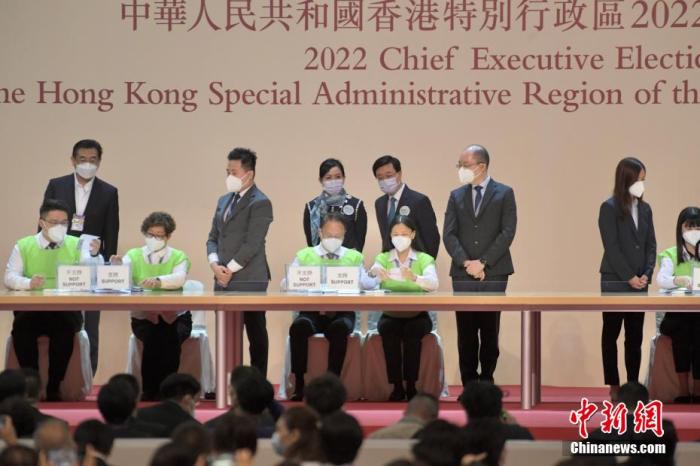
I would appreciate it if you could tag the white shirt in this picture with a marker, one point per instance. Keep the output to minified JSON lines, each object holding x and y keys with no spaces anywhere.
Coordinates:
{"x":82,"y":195}
{"x":14,"y":272}
{"x":483,"y":185}
{"x":397,"y":196}
{"x":665,"y":276}
{"x":172,"y":281}
{"x":635,"y":212}
{"x":428,"y":281}
{"x":366,"y":282}
{"x":232,"y":265}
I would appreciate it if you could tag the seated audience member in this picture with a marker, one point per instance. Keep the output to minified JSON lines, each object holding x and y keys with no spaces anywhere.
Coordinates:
{"x":53,"y":442}
{"x":18,"y":455}
{"x":94,"y":439}
{"x":234,"y":435}
{"x":297,"y":437}
{"x":131,"y":380}
{"x":161,"y":267}
{"x":195,"y":436}
{"x":22,"y":384}
{"x":12,"y":383}
{"x":117,"y":404}
{"x":485,"y":400}
{"x":341,"y":438}
{"x":326,"y":394}
{"x":172,"y":454}
{"x":251,"y":394}
{"x":486,"y":435}
{"x":32,"y":266}
{"x":22,"y":415}
{"x":32,"y":380}
{"x":421,"y":410}
{"x":440,"y":443}
{"x":180,"y":393}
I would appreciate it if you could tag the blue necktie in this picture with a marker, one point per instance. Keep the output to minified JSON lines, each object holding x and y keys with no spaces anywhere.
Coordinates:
{"x":392,"y":209}
{"x":231,"y":206}
{"x":477,"y":199}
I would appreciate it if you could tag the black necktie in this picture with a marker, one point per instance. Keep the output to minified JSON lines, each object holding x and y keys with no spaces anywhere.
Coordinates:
{"x":392,"y":209}
{"x":52,"y":245}
{"x":331,"y":256}
{"x":477,"y":199}
{"x":231,"y":206}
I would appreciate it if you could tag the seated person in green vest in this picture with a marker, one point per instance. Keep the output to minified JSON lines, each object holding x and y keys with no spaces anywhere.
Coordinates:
{"x":676,"y":271}
{"x":32,"y":266}
{"x":336,"y":326}
{"x":157,"y":266}
{"x":403,"y":269}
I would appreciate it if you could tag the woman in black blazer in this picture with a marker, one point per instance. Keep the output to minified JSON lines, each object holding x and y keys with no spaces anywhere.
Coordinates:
{"x":627,"y":230}
{"x":334,"y":198}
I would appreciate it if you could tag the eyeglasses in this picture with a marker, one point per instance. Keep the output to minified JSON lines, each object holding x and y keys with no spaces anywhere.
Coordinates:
{"x":464,"y":165}
{"x":53,"y":223}
{"x":148,"y":235}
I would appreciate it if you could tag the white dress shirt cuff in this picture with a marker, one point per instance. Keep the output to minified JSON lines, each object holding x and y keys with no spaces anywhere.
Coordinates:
{"x":213,"y":257}
{"x":234,"y":266}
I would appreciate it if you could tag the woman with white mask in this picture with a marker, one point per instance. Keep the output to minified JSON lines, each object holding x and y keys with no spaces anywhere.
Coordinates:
{"x":334,"y":198}
{"x":629,"y":242}
{"x":403,"y":269}
{"x":157,"y":266}
{"x":678,"y":266}
{"x":297,"y":436}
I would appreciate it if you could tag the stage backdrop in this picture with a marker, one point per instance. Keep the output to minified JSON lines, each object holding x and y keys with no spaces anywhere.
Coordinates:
{"x":557,"y":90}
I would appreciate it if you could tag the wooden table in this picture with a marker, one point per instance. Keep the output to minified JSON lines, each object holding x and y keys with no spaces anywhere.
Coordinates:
{"x":229,"y":319}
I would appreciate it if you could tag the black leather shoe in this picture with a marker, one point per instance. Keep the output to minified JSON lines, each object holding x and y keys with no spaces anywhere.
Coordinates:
{"x":683,"y":400}
{"x":398,"y":394}
{"x":410,"y":390}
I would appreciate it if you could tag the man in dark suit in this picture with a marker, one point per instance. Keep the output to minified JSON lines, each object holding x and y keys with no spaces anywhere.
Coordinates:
{"x":399,"y":199}
{"x":236,"y":245}
{"x":116,"y":402}
{"x":479,"y":228}
{"x":94,"y":210}
{"x":180,"y":393}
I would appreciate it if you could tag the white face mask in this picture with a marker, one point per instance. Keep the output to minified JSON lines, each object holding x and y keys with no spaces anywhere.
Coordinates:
{"x":466,"y":175}
{"x":154,"y":244}
{"x":233,"y":184}
{"x":331,"y":244}
{"x":333,"y":187}
{"x":401,"y":243}
{"x":637,"y":189}
{"x":692,"y":237}
{"x":86,"y":170}
{"x":389,"y":185}
{"x":57,"y":233}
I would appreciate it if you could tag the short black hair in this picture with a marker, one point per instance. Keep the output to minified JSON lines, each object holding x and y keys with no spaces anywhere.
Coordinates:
{"x":440,"y":443}
{"x":482,"y":399}
{"x":32,"y":381}
{"x":116,"y":401}
{"x":12,"y":383}
{"x":326,"y":394}
{"x":247,"y":157}
{"x":53,"y":204}
{"x":95,"y":433}
{"x":194,"y":435}
{"x":177,"y":386}
{"x":253,"y":392}
{"x":333,"y":217}
{"x":424,"y":405}
{"x":19,"y":455}
{"x":21,"y":413}
{"x":235,"y":432}
{"x":341,"y":438}
{"x":130,"y":379}
{"x":329,"y":164}
{"x":173,"y":454}
{"x":410,"y":223}
{"x":631,"y":393}
{"x":386,"y":160}
{"x":690,"y":217}
{"x":159,"y":219}
{"x":480,"y":152}
{"x":485,"y":435}
{"x":87,"y":144}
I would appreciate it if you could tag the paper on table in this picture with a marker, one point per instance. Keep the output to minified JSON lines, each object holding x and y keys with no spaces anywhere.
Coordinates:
{"x":84,"y":243}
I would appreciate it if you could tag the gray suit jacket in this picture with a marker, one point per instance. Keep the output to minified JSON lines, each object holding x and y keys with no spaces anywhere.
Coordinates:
{"x":242,"y":236}
{"x":485,"y":236}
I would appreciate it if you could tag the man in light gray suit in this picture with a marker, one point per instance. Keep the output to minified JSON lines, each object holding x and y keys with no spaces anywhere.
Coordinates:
{"x":236,"y":245}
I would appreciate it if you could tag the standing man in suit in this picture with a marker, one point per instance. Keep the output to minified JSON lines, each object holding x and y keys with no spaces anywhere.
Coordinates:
{"x":479,"y":228}
{"x":236,"y":245}
{"x":94,"y":210}
{"x":399,"y":199}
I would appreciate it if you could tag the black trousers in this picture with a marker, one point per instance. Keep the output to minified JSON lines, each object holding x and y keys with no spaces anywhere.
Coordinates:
{"x":60,"y":327}
{"x":400,"y":332}
{"x":612,"y":325}
{"x":336,"y":330}
{"x":255,"y":324}
{"x":477,"y":331}
{"x":92,"y":328}
{"x":684,"y":330}
{"x":162,"y":344}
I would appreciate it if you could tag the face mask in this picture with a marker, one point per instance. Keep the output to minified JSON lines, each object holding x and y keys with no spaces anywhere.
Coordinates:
{"x":389,"y":185}
{"x":466,"y":175}
{"x":333,"y":187}
{"x":637,"y":189}
{"x":277,"y":444}
{"x":331,"y":244}
{"x":154,"y":244}
{"x":57,"y":233}
{"x":401,"y":243}
{"x":233,"y":184}
{"x":692,"y":237}
{"x":86,"y":170}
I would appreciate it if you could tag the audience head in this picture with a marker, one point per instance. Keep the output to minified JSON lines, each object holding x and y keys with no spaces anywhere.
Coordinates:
{"x":631,"y":393}
{"x":12,"y":384}
{"x":18,"y":455}
{"x":95,"y":434}
{"x":235,"y":432}
{"x":440,"y":443}
{"x":21,"y":413}
{"x":423,"y":406}
{"x":341,"y":438}
{"x":194,"y":436}
{"x":131,"y":380}
{"x":173,"y":454}
{"x":485,"y":435}
{"x":183,"y":389}
{"x":250,"y":391}
{"x":325,"y":394}
{"x":296,"y":435}
{"x":116,"y":401}
{"x":32,"y":380}
{"x":482,"y":399}
{"x":54,"y":443}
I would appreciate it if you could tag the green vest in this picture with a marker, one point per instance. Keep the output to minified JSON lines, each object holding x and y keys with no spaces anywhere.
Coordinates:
{"x":417,"y":267}
{"x":141,"y":270}
{"x":44,"y":262}
{"x":308,"y":257}
{"x":679,"y":270}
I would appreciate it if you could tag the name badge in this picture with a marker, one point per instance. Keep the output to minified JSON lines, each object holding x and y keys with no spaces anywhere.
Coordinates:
{"x":343,"y":278}
{"x":113,"y":277}
{"x":78,"y":222}
{"x":302,"y":278}
{"x":74,"y":278}
{"x":696,"y":279}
